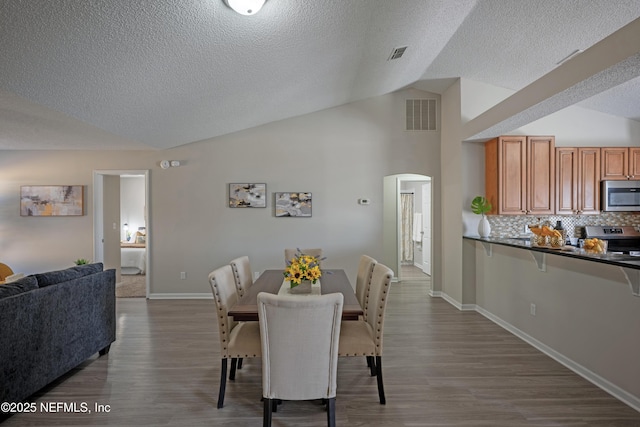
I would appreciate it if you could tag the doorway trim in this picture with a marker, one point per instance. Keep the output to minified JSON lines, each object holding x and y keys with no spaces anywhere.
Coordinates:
{"x":391,"y":219}
{"x":98,"y":216}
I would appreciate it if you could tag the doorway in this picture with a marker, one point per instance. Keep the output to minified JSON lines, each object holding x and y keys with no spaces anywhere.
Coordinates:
{"x":112,"y":190}
{"x":407,"y":226}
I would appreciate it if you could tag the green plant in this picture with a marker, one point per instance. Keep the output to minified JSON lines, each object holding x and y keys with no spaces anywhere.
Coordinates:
{"x":81,"y":261}
{"x":480,"y":205}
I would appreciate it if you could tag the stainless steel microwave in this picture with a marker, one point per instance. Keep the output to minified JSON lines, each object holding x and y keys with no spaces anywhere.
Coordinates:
{"x":620,"y":196}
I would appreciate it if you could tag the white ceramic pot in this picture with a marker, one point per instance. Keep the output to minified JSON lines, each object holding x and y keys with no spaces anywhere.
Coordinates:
{"x":484,"y":228}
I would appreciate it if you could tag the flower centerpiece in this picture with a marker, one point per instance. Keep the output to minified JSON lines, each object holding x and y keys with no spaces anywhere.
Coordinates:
{"x":302,"y":269}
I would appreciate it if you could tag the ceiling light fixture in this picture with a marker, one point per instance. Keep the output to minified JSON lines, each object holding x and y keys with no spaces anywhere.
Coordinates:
{"x":245,"y":7}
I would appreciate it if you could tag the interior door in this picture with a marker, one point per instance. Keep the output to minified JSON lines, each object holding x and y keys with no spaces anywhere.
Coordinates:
{"x":426,"y":228}
{"x":111,"y":223}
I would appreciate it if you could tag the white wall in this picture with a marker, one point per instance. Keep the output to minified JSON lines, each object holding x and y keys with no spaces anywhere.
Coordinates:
{"x":340,"y":155}
{"x":132,"y":204}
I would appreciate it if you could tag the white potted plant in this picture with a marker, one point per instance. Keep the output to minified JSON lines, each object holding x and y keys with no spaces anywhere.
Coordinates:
{"x":480,"y":206}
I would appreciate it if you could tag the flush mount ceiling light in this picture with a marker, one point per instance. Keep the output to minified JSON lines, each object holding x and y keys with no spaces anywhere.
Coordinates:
{"x":245,"y":7}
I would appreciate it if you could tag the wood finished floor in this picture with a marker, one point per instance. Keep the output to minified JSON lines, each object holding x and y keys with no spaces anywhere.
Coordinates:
{"x":442,"y":367}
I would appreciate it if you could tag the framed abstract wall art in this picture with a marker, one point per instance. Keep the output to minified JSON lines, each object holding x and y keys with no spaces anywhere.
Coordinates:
{"x":52,"y":200}
{"x":293,"y":204}
{"x":247,"y":195}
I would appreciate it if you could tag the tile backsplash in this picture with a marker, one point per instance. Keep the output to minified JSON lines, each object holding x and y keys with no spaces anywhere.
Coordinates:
{"x":513,"y":225}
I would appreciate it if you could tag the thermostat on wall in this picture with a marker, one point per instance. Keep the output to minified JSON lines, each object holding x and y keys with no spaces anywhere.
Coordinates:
{"x":364,"y":201}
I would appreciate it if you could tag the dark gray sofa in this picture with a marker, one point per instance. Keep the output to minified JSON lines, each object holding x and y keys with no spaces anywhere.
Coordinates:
{"x":52,"y":322}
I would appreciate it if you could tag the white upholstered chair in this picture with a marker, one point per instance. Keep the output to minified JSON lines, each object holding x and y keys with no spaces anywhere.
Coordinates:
{"x":290,"y":253}
{"x":299,"y":349}
{"x":237,"y":339}
{"x":363,"y":280}
{"x":364,"y":337}
{"x":242,"y":274}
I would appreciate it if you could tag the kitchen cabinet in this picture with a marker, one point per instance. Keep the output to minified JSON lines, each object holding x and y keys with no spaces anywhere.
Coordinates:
{"x":577,"y":180}
{"x":520,"y":175}
{"x":620,"y":163}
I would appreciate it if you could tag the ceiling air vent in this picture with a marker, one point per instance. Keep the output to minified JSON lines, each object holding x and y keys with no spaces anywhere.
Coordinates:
{"x":397,"y":53}
{"x":421,"y":114}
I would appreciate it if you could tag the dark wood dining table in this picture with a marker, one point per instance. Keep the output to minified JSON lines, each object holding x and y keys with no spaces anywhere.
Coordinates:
{"x":246,"y":309}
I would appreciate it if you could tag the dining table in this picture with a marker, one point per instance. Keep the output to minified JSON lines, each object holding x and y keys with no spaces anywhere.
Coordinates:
{"x":271,"y":281}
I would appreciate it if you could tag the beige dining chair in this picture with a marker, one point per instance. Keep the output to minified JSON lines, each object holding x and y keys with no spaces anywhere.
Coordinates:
{"x":242,"y":274}
{"x":237,"y":339}
{"x":363,"y":282}
{"x":364,"y":337}
{"x":289,"y":254}
{"x":363,"y":279}
{"x":299,"y":349}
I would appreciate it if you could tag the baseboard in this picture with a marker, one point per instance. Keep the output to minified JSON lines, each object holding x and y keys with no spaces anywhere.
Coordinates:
{"x":453,"y":302}
{"x":205,"y":295}
{"x":585,"y":373}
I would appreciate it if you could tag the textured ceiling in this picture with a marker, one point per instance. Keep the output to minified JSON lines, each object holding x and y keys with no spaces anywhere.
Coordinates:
{"x":116,"y":74}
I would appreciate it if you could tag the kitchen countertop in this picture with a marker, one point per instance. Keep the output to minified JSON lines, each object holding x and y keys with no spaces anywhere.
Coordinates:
{"x":620,"y":260}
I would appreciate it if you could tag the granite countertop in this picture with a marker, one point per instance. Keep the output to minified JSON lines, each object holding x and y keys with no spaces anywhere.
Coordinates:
{"x":619,"y":260}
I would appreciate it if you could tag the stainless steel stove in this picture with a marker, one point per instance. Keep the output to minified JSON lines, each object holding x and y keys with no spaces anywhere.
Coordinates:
{"x":622,"y":239}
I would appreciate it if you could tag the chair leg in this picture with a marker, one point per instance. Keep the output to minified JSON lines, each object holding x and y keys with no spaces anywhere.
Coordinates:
{"x":266,"y":413}
{"x":240,"y":363}
{"x":383,"y":400}
{"x":371,"y":365}
{"x":223,"y":383}
{"x":331,"y":412}
{"x":234,"y":364}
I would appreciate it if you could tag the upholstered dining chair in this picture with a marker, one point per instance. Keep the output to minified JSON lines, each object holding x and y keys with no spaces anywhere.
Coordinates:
{"x":363,"y":279}
{"x":237,"y":339}
{"x":307,"y":369}
{"x":5,"y":271}
{"x":242,"y":274}
{"x":364,"y":337}
{"x":363,"y":282}
{"x":290,"y":253}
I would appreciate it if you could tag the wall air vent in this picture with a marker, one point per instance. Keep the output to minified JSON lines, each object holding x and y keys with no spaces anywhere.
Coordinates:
{"x":397,"y":53}
{"x":421,"y":114}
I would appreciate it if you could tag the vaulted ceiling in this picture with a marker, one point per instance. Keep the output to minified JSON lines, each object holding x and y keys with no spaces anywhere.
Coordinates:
{"x":122,"y":74}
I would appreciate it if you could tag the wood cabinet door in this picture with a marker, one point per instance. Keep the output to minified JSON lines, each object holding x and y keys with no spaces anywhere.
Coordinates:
{"x":512,"y":175}
{"x":566,"y":180}
{"x":634,"y":163}
{"x":615,"y":163}
{"x":540,"y":189}
{"x":588,"y":180}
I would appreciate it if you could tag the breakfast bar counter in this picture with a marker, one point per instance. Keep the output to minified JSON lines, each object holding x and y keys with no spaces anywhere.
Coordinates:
{"x":620,"y":260}
{"x":582,"y":309}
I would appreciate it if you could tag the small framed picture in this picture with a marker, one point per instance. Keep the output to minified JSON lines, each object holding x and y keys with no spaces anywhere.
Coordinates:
{"x":52,"y":200}
{"x":247,"y":195}
{"x":293,"y":204}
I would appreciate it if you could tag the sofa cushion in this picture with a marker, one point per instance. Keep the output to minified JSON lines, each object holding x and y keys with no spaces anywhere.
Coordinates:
{"x":25,"y":284}
{"x":55,"y":277}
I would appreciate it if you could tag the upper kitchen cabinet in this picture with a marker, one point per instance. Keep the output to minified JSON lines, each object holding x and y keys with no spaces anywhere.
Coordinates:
{"x":520,"y":175}
{"x":620,"y":163}
{"x":577,"y":180}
